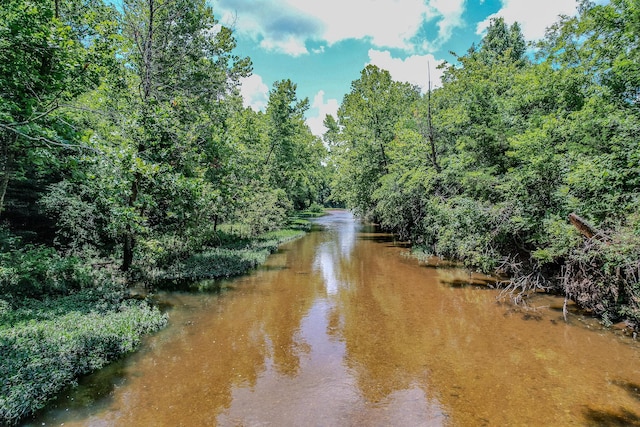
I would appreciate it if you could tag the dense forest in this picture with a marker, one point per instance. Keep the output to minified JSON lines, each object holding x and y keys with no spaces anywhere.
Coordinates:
{"x":127,"y":158}
{"x":525,"y":163}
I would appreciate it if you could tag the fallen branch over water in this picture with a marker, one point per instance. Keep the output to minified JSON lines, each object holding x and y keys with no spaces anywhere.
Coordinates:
{"x":586,"y":229}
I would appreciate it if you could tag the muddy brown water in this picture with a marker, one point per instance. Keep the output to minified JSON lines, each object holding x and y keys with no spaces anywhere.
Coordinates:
{"x":341,"y":328}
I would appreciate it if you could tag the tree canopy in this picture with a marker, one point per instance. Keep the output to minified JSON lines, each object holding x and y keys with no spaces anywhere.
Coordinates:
{"x":487,"y":168}
{"x":123,"y":130}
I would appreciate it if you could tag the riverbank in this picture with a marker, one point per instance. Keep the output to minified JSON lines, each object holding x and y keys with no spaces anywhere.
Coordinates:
{"x":61,"y":318}
{"x":341,"y":327}
{"x":46,"y":344}
{"x":201,"y":271}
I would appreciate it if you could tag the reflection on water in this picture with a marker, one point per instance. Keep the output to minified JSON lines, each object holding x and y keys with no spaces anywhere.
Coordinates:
{"x":340,"y":329}
{"x":340,"y":232}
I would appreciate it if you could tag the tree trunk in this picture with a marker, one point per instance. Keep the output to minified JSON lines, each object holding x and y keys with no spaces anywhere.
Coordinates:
{"x":129,"y":239}
{"x":586,"y":229}
{"x":266,"y":162}
{"x":432,"y":142}
{"x":385,"y":164}
{"x":7,"y":157}
{"x":148,"y":53}
{"x":127,"y":253}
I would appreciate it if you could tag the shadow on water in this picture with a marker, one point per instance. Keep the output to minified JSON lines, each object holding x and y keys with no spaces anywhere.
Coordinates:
{"x":389,"y":239}
{"x":532,"y":316}
{"x":620,"y":418}
{"x":94,"y":391}
{"x":631,"y":388}
{"x":315,"y":227}
{"x":475,"y":284}
{"x":266,"y":267}
{"x":190,"y":285}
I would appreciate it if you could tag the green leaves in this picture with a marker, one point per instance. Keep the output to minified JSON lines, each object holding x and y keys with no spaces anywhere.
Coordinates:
{"x":520,"y":145}
{"x":293,"y":158}
{"x":367,"y":118}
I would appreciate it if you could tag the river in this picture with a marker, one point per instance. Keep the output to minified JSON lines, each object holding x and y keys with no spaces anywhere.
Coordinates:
{"x":342,"y":328}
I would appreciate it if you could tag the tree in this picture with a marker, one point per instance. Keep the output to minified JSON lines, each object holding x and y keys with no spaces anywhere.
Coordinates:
{"x":501,"y":43}
{"x":367,"y":119}
{"x":49,"y":54}
{"x":294,"y":157}
{"x":183,"y":70}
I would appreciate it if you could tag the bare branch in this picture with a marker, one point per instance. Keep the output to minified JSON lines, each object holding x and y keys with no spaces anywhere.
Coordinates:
{"x":48,"y":142}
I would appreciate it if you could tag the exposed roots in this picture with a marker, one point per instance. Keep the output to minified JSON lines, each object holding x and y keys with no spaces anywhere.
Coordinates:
{"x":605,"y":279}
{"x":601,"y":276}
{"x":523,"y":282}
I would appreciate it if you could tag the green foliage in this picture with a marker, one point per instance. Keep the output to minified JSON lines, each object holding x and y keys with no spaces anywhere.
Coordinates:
{"x":39,"y":272}
{"x":235,"y":256}
{"x":47,"y":59}
{"x":501,"y":42}
{"x":293,"y":160}
{"x":41,"y":358}
{"x":487,"y":168}
{"x":316,"y":209}
{"x":557,"y":242}
{"x":367,"y":116}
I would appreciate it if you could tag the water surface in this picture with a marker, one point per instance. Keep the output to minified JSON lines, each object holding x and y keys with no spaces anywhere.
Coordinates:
{"x":342,"y":328}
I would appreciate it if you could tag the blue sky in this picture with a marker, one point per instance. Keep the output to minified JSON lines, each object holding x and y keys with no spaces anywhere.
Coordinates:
{"x":322,"y":45}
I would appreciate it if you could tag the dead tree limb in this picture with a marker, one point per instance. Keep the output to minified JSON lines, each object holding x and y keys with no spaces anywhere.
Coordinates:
{"x":586,"y":229}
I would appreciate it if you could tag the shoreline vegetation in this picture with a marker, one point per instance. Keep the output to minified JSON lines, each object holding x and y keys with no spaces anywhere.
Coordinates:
{"x":523,"y":163}
{"x":74,"y":320}
{"x":122,"y":166}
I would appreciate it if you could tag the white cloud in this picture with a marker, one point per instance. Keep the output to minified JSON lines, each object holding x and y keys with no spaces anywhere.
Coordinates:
{"x":386,"y":22}
{"x":451,"y":12}
{"x":321,"y":108}
{"x":290,"y":45}
{"x":414,"y":69}
{"x":287,"y":25}
{"x":533,"y":17}
{"x":275,"y":25}
{"x":254,"y":92}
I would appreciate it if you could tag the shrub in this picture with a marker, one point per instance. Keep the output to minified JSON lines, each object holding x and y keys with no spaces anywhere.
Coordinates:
{"x":73,"y":336}
{"x":38,"y":272}
{"x":267,"y":211}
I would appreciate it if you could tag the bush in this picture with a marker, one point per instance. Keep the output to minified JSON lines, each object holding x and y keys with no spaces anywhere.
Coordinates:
{"x":316,"y":208}
{"x":267,"y":211}
{"x":72,"y":336}
{"x":39,"y":272}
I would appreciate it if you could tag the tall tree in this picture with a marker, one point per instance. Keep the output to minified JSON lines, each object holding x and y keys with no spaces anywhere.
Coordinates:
{"x":502,"y":42}
{"x":294,"y":157}
{"x":183,"y":70}
{"x":367,"y":118}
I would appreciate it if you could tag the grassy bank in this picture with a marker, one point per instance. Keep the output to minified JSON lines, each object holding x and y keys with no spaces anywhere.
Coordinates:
{"x":235,"y":257}
{"x":46,"y":343}
{"x":234,"y":252}
{"x":63,"y":317}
